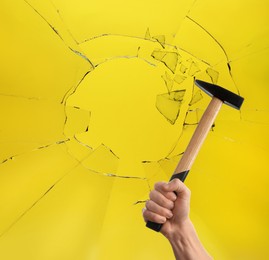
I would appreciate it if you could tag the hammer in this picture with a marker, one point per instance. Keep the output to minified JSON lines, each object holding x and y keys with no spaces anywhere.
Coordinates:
{"x":219,"y":96}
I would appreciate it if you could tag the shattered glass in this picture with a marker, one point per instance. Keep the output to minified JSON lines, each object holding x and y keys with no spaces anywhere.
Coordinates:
{"x":98,"y":102}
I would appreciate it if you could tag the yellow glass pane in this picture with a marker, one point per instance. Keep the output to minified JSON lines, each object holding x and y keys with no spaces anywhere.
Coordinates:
{"x":98,"y":102}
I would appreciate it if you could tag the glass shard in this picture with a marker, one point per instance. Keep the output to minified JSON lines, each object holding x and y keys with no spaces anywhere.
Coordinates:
{"x":77,"y":149}
{"x":179,"y":78}
{"x":169,"y":104}
{"x":77,"y":121}
{"x":168,"y":81}
{"x":160,"y":39}
{"x":102,"y":160}
{"x":197,"y":96}
{"x":194,"y":69}
{"x":169,"y":59}
{"x":168,"y":165}
{"x":183,"y":68}
{"x":147,"y":35}
{"x":192,"y":117}
{"x":213,"y":74}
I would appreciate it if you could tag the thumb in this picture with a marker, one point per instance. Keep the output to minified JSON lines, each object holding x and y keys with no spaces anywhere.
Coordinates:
{"x":179,"y":188}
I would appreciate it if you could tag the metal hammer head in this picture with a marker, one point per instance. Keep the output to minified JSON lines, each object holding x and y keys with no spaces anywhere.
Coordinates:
{"x":223,"y":94}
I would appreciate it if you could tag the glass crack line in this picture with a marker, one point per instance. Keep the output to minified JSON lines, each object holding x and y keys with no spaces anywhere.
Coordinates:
{"x":48,"y":145}
{"x":193,"y":4}
{"x":124,"y":177}
{"x":36,"y":202}
{"x":57,"y":182}
{"x":181,"y":133}
{"x":250,"y":54}
{"x":206,"y":31}
{"x":111,"y":175}
{"x":231,"y":75}
{"x":110,"y":150}
{"x":61,"y":18}
{"x":222,"y":48}
{"x":177,"y":48}
{"x":86,"y":127}
{"x":80,"y":54}
{"x":121,"y":35}
{"x":190,"y":124}
{"x":8,"y":159}
{"x":35,"y":149}
{"x":124,"y":57}
{"x":151,"y":39}
{"x":139,"y":202}
{"x":79,"y":108}
{"x":93,"y":163}
{"x":160,"y":160}
{"x":72,"y":90}
{"x":97,"y":172}
{"x":18,"y":96}
{"x":83,"y":144}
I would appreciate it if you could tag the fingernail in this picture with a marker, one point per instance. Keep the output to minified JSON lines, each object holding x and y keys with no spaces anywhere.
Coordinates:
{"x":172,"y":205}
{"x":170,"y":214}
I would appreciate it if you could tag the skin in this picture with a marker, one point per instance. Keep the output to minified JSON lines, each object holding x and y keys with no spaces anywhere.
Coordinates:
{"x":172,"y":210}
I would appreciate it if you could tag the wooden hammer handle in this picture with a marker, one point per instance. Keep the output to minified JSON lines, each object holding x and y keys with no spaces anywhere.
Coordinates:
{"x":199,"y":136}
{"x":193,"y":147}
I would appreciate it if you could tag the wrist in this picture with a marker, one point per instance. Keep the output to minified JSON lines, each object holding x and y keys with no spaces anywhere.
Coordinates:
{"x":185,"y":242}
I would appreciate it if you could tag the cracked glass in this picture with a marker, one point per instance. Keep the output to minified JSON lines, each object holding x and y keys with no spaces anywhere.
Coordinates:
{"x":98,"y":102}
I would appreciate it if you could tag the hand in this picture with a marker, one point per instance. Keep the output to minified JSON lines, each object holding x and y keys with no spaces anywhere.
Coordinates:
{"x":169,"y":204}
{"x":165,"y":207}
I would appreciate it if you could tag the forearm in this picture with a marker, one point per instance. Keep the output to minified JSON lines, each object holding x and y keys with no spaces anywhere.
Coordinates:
{"x":186,"y":244}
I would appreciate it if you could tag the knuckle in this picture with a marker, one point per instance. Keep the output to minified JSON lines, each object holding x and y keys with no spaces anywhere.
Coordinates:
{"x":188,"y":191}
{"x":177,"y":181}
{"x":164,"y":202}
{"x":152,"y":194}
{"x":171,"y":205}
{"x":157,"y":218}
{"x":172,"y":196}
{"x":144,"y":213}
{"x":156,"y":185}
{"x":159,"y":185}
{"x":165,"y":212}
{"x":148,"y":204}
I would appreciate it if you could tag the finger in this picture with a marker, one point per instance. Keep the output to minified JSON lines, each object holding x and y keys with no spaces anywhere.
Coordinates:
{"x":154,"y":207}
{"x":153,"y":217}
{"x":143,"y":211}
{"x":161,"y":200}
{"x":179,"y":187}
{"x":161,"y":187}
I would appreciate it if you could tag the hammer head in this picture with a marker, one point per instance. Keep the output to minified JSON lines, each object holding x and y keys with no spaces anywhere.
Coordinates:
{"x":223,"y":94}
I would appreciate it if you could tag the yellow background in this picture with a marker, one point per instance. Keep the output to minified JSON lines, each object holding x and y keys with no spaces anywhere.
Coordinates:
{"x":97,"y":103}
